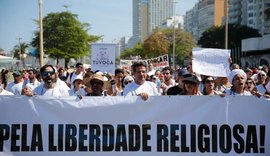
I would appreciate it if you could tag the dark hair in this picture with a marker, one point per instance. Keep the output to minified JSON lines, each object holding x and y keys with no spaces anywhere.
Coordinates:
{"x":118,"y":70}
{"x":78,"y":64}
{"x":42,"y":69}
{"x":33,"y":70}
{"x":168,"y":68}
{"x":206,"y":77}
{"x":137,"y":64}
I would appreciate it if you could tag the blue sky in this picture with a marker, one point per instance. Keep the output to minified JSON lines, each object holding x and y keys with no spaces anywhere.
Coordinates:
{"x":110,"y":18}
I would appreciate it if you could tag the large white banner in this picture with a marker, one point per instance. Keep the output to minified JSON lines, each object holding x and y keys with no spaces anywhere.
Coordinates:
{"x":209,"y":61}
{"x":124,"y":126}
{"x":103,"y":57}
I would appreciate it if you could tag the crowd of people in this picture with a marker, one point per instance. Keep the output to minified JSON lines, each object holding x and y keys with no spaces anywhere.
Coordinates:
{"x":143,"y":80}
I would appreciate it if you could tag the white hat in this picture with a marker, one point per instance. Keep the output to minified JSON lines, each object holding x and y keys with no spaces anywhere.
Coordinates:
{"x":236,"y":72}
{"x":128,"y":78}
{"x":78,"y":77}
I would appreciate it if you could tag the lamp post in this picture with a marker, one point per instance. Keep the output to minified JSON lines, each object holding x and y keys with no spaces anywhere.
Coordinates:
{"x":41,"y":34}
{"x":20,"y":49}
{"x":226,"y":24}
{"x":174,"y":3}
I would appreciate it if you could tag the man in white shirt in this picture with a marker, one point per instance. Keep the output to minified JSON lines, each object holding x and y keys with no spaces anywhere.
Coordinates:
{"x":32,"y":83}
{"x":49,"y":87}
{"x":79,"y":71}
{"x":140,"y":87}
{"x":17,"y":85}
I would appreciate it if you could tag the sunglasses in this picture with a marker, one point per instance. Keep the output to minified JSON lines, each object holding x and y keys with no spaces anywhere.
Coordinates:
{"x":189,"y":82}
{"x":127,"y":82}
{"x":47,"y":73}
{"x":209,"y":81}
{"x":248,"y":82}
{"x":261,"y":75}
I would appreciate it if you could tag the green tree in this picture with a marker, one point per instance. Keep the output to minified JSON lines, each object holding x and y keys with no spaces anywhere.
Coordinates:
{"x":214,"y":37}
{"x":160,"y":42}
{"x":65,"y":36}
{"x":20,"y":51}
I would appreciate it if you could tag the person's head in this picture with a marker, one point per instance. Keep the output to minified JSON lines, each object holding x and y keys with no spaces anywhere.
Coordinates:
{"x":18,"y":76}
{"x":208,"y":83}
{"x":238,"y":78}
{"x":96,"y":84}
{"x":139,"y":70}
{"x":265,"y":68}
{"x":261,"y":77}
{"x":151,"y":66}
{"x":127,"y":80}
{"x":119,"y":74}
{"x":79,"y":67}
{"x":249,"y":72}
{"x":235,"y":66}
{"x":250,"y":84}
{"x":48,"y":75}
{"x":167,"y":72}
{"x":181,"y":74}
{"x":32,"y":74}
{"x":191,"y":83}
{"x":78,"y":82}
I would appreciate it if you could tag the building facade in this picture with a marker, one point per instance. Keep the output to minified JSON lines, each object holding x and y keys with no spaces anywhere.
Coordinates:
{"x":149,"y":15}
{"x":204,"y":14}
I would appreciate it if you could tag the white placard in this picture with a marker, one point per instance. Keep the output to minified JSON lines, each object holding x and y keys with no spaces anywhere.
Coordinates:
{"x":103,"y":57}
{"x":209,"y":61}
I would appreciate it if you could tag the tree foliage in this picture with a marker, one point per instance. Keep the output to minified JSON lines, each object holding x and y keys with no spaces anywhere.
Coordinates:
{"x":64,"y":36}
{"x":160,"y":42}
{"x":214,"y":37}
{"x":20,"y":51}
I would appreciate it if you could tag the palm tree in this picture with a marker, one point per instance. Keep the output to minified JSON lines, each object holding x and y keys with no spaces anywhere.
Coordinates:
{"x":20,"y":51}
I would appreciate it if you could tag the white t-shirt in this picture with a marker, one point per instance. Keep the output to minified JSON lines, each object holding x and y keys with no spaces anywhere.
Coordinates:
{"x":5,"y":92}
{"x":16,"y":89}
{"x":33,"y":85}
{"x":56,"y":91}
{"x":134,"y":89}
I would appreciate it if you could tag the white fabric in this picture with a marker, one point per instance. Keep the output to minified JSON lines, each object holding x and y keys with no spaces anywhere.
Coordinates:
{"x":5,"y":92}
{"x":230,"y":92}
{"x":209,"y":61}
{"x":72,"y":78}
{"x":206,"y":114}
{"x":33,"y":85}
{"x":81,"y":92}
{"x":235,"y":72}
{"x":56,"y":91}
{"x":261,"y":88}
{"x":16,"y":89}
{"x":134,"y":89}
{"x":268,"y":87}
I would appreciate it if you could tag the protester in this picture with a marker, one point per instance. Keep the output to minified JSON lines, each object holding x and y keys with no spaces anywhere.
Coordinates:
{"x":168,"y":79}
{"x":237,"y":78}
{"x":191,"y":85}
{"x":151,"y":70}
{"x":79,"y":71}
{"x":209,"y":86}
{"x":127,"y":80}
{"x":96,"y":86}
{"x":32,"y":83}
{"x":78,"y":87}
{"x":2,"y":90}
{"x":250,"y":85}
{"x":140,"y":87}
{"x":117,"y":86}
{"x":17,"y":85}
{"x":175,"y":90}
{"x":261,"y":78}
{"x":49,"y":87}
